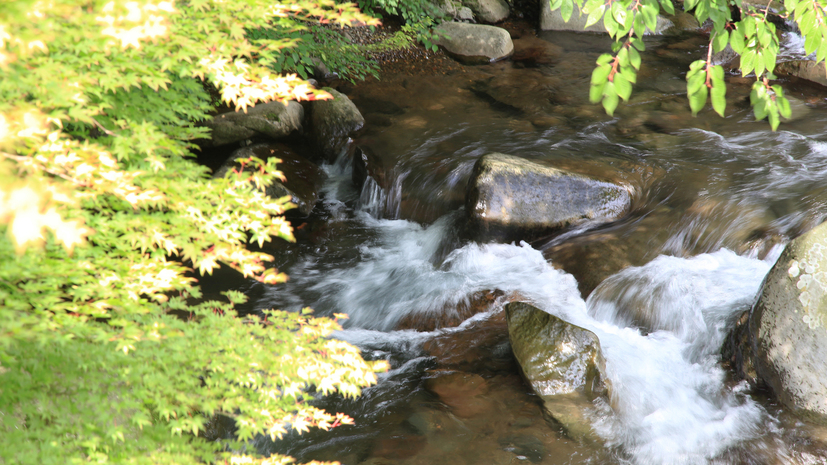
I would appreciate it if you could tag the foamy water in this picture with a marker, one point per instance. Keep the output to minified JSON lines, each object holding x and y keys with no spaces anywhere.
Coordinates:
{"x":669,"y":402}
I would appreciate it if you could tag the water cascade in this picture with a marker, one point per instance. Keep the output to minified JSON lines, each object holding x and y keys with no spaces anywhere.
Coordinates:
{"x":718,"y":199}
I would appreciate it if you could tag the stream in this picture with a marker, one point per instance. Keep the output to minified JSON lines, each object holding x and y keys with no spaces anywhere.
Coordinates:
{"x":715,"y":201}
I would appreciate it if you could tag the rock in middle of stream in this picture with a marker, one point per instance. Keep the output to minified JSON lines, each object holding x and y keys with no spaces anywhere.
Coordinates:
{"x":786,"y":340}
{"x":511,"y":198}
{"x":562,"y":362}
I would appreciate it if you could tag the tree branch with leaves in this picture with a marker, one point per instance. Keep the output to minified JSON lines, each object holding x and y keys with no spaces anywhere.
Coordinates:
{"x":754,"y":37}
{"x":109,"y":352}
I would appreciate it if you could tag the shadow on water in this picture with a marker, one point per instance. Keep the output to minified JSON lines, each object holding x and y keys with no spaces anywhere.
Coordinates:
{"x":714,"y":200}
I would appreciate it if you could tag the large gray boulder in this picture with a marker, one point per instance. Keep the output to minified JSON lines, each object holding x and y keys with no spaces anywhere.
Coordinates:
{"x":488,"y":11}
{"x":804,"y":69}
{"x":562,"y":362}
{"x":553,"y":21}
{"x":510,"y":198}
{"x":334,"y":120}
{"x":475,"y":40}
{"x":273,"y":119}
{"x":788,"y":327}
{"x":303,"y":179}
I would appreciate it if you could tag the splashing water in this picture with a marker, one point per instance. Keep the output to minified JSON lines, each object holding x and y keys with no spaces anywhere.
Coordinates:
{"x":669,"y":401}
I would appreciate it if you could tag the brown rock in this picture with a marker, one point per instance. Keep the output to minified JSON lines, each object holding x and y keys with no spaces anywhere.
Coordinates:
{"x":596,"y":255}
{"x":462,"y":392}
{"x":472,"y":347}
{"x":480,"y":301}
{"x":804,"y":69}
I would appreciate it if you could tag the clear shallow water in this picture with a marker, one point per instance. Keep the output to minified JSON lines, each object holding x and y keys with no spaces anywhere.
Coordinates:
{"x":717,"y":199}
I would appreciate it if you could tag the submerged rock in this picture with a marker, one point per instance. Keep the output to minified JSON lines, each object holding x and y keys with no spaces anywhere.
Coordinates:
{"x":798,"y":109}
{"x":481,"y":345}
{"x":509,"y":198}
{"x":788,"y":327}
{"x":594,"y":256}
{"x":463,"y":392}
{"x":272,"y":119}
{"x":562,"y":362}
{"x":303,"y":178}
{"x":472,"y":41}
{"x":333,"y":122}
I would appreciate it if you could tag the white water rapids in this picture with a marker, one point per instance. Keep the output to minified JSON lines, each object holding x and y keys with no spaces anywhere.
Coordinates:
{"x":669,"y":404}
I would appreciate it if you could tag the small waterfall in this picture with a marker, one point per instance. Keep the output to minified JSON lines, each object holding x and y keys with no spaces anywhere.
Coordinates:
{"x":373,"y":198}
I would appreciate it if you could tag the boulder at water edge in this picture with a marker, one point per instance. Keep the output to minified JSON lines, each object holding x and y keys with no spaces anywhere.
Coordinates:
{"x":788,"y":326}
{"x":488,"y":11}
{"x":562,"y":362}
{"x":273,"y":119}
{"x":303,"y":178}
{"x":512,"y":198}
{"x":473,"y":41}
{"x":804,"y":69}
{"x":334,"y":120}
{"x":553,"y":21}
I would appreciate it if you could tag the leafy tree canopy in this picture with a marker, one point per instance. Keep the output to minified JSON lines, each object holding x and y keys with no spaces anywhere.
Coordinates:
{"x":108,"y":352}
{"x":745,"y":26}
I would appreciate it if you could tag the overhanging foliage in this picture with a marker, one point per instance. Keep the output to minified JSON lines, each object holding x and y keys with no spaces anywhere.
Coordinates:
{"x":108,"y":352}
{"x":752,"y":36}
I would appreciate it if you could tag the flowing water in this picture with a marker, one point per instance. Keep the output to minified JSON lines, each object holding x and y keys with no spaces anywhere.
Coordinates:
{"x":715,"y":201}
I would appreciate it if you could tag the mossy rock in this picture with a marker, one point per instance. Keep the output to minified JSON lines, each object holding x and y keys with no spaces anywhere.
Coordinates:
{"x":562,"y":362}
{"x":334,"y":121}
{"x":273,"y":120}
{"x":788,"y":327}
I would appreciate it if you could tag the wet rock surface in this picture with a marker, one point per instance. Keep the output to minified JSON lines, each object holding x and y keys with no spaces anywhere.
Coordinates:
{"x":463,"y":393}
{"x":804,"y":69}
{"x":509,"y":197}
{"x":367,"y":164}
{"x":596,"y":255}
{"x":788,"y":326}
{"x":563,"y":364}
{"x":274,"y":120}
{"x":303,"y":178}
{"x":334,"y":121}
{"x":737,"y":353}
{"x":473,"y":41}
{"x":477,"y":302}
